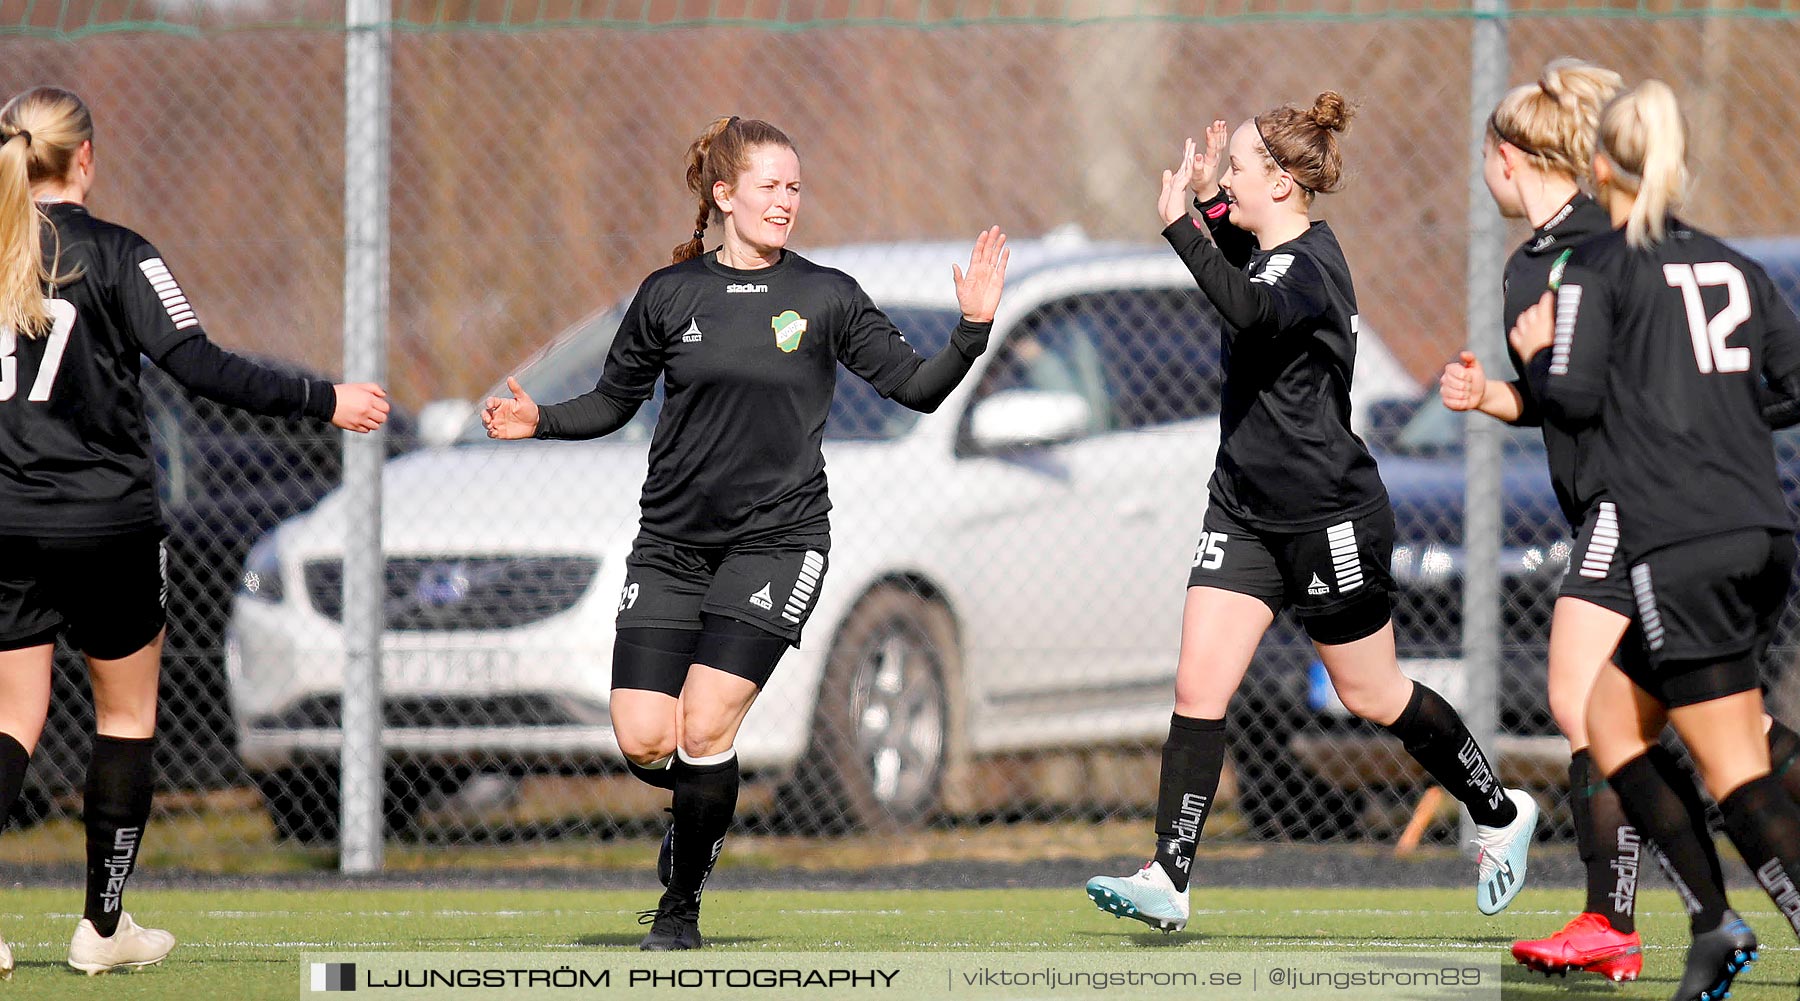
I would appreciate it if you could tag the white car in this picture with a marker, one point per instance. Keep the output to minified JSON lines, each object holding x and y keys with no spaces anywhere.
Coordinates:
{"x":1006,"y":573}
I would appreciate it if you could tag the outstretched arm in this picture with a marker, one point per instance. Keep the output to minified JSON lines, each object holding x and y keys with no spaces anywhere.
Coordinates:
{"x":872,"y":348}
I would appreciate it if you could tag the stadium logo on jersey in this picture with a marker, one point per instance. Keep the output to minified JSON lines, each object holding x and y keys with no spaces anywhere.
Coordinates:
{"x":1317,"y":586}
{"x":747,"y":287}
{"x":1274,"y":268}
{"x":789,"y":328}
{"x":692,"y":336}
{"x":763,"y":599}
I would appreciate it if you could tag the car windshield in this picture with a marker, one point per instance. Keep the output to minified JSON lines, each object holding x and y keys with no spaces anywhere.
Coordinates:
{"x":571,"y":366}
{"x":1434,"y":429}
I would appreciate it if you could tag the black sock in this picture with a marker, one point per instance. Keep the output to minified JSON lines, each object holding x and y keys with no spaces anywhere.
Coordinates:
{"x":661,"y":776}
{"x":1192,"y":759}
{"x":1608,"y":844}
{"x":1434,"y":735}
{"x":115,"y":806}
{"x":705,"y":799}
{"x":14,"y":759}
{"x":1667,"y":810}
{"x":1784,"y":748}
{"x":1764,"y":824}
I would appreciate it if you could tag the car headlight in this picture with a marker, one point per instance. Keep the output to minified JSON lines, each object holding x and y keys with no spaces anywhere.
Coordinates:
{"x":261,"y":579}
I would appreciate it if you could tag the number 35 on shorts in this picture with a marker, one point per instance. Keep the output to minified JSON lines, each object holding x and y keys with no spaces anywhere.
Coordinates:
{"x":1211,"y":553}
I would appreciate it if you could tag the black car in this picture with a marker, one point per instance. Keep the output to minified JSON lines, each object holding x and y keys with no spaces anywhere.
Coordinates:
{"x":224,"y":477}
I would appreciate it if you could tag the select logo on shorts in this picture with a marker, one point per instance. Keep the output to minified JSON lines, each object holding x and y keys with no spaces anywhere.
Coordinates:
{"x":334,"y":976}
{"x":763,"y":599}
{"x":789,"y":328}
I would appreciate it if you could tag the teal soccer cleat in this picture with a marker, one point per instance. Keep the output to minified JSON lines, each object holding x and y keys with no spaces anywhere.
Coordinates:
{"x":1502,"y":856}
{"x":1146,"y":895}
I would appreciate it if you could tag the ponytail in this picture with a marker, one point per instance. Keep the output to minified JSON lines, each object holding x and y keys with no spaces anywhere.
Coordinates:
{"x":41,"y":130}
{"x":22,"y":272}
{"x":1644,"y":139}
{"x":721,"y":153}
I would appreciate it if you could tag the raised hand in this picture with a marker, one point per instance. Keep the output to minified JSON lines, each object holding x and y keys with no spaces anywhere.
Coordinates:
{"x":1463,"y":383}
{"x":510,"y":419}
{"x":1173,"y":202}
{"x":1206,"y":165}
{"x":361,"y":406}
{"x":977,"y":289}
{"x":1536,"y":327}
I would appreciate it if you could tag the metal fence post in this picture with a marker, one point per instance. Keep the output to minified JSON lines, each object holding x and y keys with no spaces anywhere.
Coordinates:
{"x":367,"y":156}
{"x":1483,"y":437}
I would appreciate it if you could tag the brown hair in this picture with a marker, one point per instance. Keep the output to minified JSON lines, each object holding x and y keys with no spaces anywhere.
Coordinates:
{"x":1643,"y":136}
{"x":41,"y":130}
{"x":722,"y":153}
{"x":1552,"y":120}
{"x":1304,"y":142}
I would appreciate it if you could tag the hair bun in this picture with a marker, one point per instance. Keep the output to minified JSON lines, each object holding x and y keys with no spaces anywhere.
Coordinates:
{"x":1331,"y":111}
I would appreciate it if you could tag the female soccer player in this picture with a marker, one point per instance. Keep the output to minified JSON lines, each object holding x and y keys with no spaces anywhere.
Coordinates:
{"x":1539,"y":149}
{"x":733,"y":542}
{"x":1661,"y":336}
{"x":1297,"y":514}
{"x":81,"y":301}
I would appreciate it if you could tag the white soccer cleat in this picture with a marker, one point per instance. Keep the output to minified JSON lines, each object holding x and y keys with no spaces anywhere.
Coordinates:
{"x":6,"y":961}
{"x":1502,"y":855}
{"x":131,"y":947}
{"x":1146,"y":895}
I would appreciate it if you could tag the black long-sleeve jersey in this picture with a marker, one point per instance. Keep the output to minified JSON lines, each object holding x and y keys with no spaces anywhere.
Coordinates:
{"x":74,"y":448}
{"x":1529,"y":273}
{"x":748,"y":360}
{"x":1288,"y":461}
{"x":1666,"y":349}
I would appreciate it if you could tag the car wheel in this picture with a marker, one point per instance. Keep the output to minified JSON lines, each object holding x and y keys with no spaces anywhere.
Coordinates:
{"x":304,"y":804}
{"x":885,"y":726}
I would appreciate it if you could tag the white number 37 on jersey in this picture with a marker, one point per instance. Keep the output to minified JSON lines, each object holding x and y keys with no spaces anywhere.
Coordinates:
{"x":62,"y":315}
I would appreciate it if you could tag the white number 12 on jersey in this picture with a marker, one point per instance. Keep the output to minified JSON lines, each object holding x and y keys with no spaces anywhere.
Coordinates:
{"x":1709,"y":336}
{"x":62,"y":315}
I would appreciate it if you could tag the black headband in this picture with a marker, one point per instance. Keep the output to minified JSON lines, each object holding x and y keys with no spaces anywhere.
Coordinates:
{"x":1256,"y":123}
{"x":1500,"y":134}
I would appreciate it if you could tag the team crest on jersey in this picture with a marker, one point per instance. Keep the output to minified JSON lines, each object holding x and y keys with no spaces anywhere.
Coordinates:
{"x":1556,"y":270}
{"x":789,"y":328}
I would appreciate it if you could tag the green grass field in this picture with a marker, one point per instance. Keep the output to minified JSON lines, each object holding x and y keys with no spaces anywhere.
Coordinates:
{"x":247,"y":944}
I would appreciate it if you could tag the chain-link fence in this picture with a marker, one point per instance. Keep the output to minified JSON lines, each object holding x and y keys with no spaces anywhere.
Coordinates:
{"x":996,"y":640}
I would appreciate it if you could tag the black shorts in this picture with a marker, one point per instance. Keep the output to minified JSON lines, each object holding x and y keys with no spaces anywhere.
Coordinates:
{"x":1317,"y":573}
{"x":1597,"y":574}
{"x":773,"y":584}
{"x":110,"y":592}
{"x":1705,"y":610}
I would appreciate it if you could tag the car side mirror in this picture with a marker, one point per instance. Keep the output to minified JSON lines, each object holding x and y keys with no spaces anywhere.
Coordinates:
{"x":1028,"y":418}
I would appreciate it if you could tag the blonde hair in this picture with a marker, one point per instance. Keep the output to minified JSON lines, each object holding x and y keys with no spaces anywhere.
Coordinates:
{"x":1552,"y":119}
{"x":1644,"y":140}
{"x":722,"y":153}
{"x":40,"y":132}
{"x":1304,"y":142}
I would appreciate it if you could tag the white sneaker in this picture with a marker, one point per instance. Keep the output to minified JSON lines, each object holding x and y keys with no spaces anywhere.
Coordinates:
{"x":6,"y":961}
{"x":1502,"y":855}
{"x":1146,"y":895}
{"x":131,"y":946}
